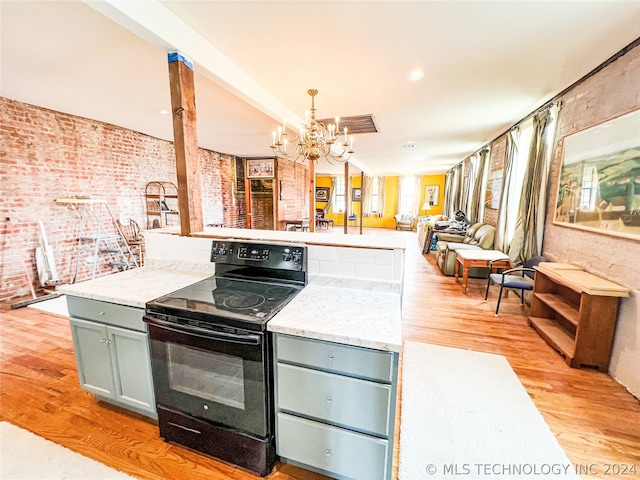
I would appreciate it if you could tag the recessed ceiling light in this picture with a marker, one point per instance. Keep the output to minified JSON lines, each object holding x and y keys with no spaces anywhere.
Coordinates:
{"x":164,"y":112}
{"x":415,"y":75}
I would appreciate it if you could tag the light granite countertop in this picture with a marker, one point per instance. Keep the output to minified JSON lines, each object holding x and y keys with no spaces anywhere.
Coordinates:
{"x":136,"y":287}
{"x":366,"y":317}
{"x":361,"y":318}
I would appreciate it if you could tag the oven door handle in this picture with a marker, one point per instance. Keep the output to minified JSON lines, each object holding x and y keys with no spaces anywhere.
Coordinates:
{"x":248,"y":339}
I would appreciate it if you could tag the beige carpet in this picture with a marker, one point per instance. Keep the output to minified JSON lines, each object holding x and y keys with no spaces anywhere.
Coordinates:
{"x":25,"y":456}
{"x":466,"y":415}
{"x":56,"y":305}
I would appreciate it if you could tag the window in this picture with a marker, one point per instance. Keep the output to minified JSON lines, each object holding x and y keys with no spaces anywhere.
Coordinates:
{"x":339,"y":204}
{"x":589,"y":188}
{"x":519,"y":169}
{"x":374,"y":195}
{"x":407,"y":194}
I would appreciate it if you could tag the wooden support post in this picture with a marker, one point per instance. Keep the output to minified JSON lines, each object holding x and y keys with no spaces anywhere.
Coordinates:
{"x":277,"y":195}
{"x":247,"y":198}
{"x":312,"y":196}
{"x":346,"y":197}
{"x":185,"y":135}
{"x":362,"y":193}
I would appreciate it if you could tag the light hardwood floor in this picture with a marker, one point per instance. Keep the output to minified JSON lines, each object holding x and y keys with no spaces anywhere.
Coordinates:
{"x":595,"y":420}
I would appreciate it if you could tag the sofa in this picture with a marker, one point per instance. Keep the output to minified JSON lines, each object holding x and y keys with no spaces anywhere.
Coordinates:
{"x":404,"y":221}
{"x":478,"y":236}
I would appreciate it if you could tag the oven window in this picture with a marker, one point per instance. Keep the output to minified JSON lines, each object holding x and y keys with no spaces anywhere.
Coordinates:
{"x":213,"y":376}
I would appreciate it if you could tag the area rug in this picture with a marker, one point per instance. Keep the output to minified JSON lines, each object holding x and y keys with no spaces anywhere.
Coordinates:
{"x":56,"y":305}
{"x":466,"y":415}
{"x":25,"y":456}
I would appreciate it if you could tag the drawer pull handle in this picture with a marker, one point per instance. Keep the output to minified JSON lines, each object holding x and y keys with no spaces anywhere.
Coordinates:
{"x":327,"y":452}
{"x":103,"y":340}
{"x":328,"y":400}
{"x":102,"y":313}
{"x":330,"y":358}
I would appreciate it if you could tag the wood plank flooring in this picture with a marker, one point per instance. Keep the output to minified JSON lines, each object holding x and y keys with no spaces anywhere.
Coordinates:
{"x":595,"y":420}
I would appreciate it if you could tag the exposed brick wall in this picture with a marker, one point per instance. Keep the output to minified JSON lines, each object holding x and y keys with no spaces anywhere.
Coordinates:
{"x":496,"y":164}
{"x":294,"y":197}
{"x":608,"y":94}
{"x":46,"y":155}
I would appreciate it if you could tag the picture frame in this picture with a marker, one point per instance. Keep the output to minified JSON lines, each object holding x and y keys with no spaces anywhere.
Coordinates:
{"x":494,"y":190}
{"x":356,"y":194}
{"x":260,"y":167}
{"x":322,"y":194}
{"x":432,"y":194}
{"x":599,"y":179}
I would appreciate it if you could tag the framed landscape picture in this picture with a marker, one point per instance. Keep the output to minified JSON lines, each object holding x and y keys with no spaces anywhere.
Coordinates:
{"x":322,"y":194}
{"x":260,"y":168}
{"x":599,"y":184}
{"x":356,"y":194}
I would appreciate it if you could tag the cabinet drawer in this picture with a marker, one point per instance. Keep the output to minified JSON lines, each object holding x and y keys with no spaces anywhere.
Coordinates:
{"x":331,"y":449}
{"x":349,"y":402}
{"x":333,"y":357}
{"x":107,"y":313}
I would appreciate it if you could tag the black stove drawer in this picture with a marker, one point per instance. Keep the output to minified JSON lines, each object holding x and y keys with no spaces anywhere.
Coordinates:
{"x":255,"y":454}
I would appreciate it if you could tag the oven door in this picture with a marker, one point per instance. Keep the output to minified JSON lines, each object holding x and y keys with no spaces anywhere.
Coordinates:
{"x":219,"y":376}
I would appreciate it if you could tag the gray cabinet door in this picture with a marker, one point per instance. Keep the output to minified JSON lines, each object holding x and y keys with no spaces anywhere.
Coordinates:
{"x":132,"y":368}
{"x":93,"y":357}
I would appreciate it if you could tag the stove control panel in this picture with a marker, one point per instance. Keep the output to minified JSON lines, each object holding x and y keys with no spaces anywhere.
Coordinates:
{"x":252,"y":253}
{"x":281,"y":256}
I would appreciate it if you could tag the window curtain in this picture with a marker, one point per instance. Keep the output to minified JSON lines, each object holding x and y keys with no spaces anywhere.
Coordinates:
{"x":368,"y":196}
{"x":332,"y":195}
{"x":503,"y":240}
{"x":457,"y":194}
{"x":476,"y":182}
{"x":530,"y":223}
{"x":381,"y":189}
{"x":399,"y":199}
{"x":417,"y":195}
{"x":448,"y":193}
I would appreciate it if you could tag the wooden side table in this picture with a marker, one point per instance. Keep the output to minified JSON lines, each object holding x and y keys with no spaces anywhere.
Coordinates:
{"x":576,"y":313}
{"x":479,"y":258}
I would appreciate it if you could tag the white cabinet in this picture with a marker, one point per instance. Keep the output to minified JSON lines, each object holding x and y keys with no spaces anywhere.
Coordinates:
{"x":335,"y":407}
{"x":113,"y":361}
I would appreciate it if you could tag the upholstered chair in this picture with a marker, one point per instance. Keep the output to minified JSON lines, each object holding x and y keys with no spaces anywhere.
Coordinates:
{"x":404,"y":221}
{"x":479,"y":236}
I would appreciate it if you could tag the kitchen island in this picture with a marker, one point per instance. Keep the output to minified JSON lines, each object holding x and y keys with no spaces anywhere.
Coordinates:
{"x":336,"y":344}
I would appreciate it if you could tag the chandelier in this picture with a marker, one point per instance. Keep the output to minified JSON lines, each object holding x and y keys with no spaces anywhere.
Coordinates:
{"x":314,"y":140}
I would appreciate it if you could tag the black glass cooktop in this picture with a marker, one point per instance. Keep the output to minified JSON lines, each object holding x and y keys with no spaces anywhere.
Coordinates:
{"x":247,"y":300}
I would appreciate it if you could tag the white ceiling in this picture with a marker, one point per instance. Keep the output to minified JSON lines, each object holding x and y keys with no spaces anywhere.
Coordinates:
{"x":487,"y":65}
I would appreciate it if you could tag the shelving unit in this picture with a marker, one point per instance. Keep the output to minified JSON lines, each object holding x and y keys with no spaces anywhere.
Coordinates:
{"x":162,"y":204}
{"x":576,"y":312}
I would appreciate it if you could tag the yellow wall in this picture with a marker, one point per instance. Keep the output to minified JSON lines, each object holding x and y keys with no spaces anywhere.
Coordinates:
{"x":433,"y":180}
{"x":391,"y":200}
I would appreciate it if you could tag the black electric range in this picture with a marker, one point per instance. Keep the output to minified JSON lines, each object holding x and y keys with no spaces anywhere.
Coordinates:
{"x":212,"y":356}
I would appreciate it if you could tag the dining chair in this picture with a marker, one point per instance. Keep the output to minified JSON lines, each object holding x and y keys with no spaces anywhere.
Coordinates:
{"x":132,"y":234}
{"x":519,"y":278}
